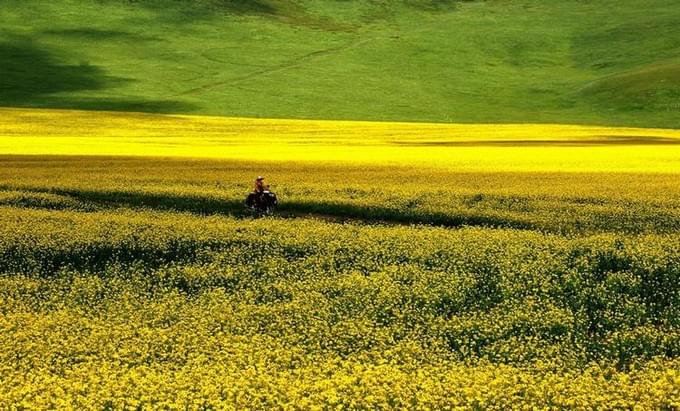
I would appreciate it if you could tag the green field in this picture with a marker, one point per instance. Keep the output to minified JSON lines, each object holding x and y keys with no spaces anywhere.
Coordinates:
{"x":567,"y":61}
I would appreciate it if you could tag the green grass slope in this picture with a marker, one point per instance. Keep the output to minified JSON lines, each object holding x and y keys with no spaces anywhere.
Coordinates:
{"x":567,"y":61}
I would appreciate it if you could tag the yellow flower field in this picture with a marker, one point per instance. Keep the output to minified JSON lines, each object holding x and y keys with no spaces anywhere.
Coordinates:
{"x":408,"y":266}
{"x":459,"y":147}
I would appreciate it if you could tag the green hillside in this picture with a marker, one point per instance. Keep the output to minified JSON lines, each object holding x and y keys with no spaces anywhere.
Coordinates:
{"x":564,"y":61}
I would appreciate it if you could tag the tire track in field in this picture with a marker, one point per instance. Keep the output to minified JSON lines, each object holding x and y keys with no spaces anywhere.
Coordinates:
{"x":298,"y":62}
{"x":396,"y":33}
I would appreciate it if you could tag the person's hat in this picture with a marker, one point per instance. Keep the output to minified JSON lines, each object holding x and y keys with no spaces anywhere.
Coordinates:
{"x":260,"y":178}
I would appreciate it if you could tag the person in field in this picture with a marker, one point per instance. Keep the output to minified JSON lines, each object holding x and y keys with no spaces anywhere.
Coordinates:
{"x":261,"y":198}
{"x":259,"y":185}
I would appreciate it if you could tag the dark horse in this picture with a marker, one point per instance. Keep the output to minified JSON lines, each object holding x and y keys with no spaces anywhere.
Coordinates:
{"x":263,"y":202}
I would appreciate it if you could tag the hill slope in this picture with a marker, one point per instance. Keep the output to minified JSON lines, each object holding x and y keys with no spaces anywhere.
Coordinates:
{"x":600,"y":62}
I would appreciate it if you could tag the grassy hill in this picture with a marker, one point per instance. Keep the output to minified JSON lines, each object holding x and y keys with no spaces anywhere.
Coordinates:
{"x":567,"y":61}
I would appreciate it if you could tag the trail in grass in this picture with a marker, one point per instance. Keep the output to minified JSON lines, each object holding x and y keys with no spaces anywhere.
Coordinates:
{"x":293,"y":63}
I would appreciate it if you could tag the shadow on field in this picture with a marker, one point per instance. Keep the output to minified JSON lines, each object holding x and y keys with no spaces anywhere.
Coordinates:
{"x":33,"y":75}
{"x":582,"y":142}
{"x":91,"y":34}
{"x":181,"y":12}
{"x":206,"y":8}
{"x":336,"y":212}
{"x":385,"y":215}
